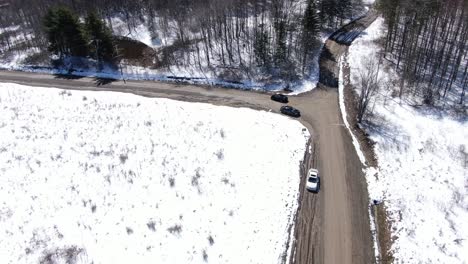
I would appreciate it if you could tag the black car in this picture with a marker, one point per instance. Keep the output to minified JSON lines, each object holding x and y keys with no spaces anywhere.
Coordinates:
{"x":280,"y":98}
{"x":290,"y":111}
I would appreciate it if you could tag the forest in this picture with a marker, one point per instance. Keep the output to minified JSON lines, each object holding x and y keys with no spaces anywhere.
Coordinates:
{"x":427,"y":41}
{"x":267,"y":40}
{"x":236,"y":39}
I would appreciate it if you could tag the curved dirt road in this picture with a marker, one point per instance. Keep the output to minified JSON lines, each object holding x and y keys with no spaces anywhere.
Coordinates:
{"x":332,"y":226}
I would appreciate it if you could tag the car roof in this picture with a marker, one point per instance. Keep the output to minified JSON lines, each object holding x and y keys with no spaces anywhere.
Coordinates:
{"x":313,"y":172}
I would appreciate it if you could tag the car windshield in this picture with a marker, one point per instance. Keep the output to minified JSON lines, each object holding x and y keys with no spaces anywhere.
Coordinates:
{"x":312,"y":179}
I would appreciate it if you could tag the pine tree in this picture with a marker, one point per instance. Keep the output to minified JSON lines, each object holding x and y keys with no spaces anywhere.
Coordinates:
{"x":281,"y":48}
{"x":343,"y":9}
{"x":261,"y":47}
{"x":56,"y":40}
{"x":101,"y":45}
{"x":310,"y":31}
{"x":328,"y":12}
{"x":65,"y":33}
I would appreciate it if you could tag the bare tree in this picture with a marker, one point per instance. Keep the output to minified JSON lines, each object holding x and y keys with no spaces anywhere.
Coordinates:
{"x":428,"y":43}
{"x":369,"y":78}
{"x":275,"y":39}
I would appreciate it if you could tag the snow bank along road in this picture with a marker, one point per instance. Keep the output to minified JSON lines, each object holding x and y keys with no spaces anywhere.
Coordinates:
{"x":332,"y":226}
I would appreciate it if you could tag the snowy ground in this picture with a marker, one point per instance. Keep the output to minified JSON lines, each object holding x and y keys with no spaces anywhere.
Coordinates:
{"x":422,"y":175}
{"x":102,"y":177}
{"x":189,"y":75}
{"x":141,"y":32}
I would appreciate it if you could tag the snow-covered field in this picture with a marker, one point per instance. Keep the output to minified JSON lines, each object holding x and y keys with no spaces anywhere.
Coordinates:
{"x":103,"y":177}
{"x":422,"y":175}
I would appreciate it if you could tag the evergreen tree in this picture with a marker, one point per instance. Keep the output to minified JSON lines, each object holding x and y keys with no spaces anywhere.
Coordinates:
{"x":281,"y":48}
{"x":261,"y":47}
{"x":310,"y":31}
{"x":101,"y":45}
{"x":343,"y":9}
{"x":328,"y":12}
{"x":56,"y":40}
{"x":65,"y":33}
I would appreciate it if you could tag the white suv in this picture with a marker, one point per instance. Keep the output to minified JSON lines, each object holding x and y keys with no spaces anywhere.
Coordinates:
{"x":313,"y":180}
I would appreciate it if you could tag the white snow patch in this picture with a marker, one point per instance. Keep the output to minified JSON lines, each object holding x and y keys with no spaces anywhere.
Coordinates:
{"x":422,"y":174}
{"x":16,"y":58}
{"x":368,"y":2}
{"x":345,"y":115}
{"x":140,"y":32}
{"x":107,"y":177}
{"x":10,"y":28}
{"x":306,"y":86}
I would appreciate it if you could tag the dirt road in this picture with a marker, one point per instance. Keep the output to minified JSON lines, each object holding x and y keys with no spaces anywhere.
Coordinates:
{"x":332,"y":226}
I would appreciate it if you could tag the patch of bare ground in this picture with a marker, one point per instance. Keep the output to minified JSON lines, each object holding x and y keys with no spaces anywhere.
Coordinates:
{"x":351,"y":99}
{"x":385,"y":238}
{"x":382,"y":222}
{"x":136,"y":52}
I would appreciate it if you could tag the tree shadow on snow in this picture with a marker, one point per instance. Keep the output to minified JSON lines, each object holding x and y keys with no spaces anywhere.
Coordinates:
{"x":377,"y":125}
{"x":67,"y":76}
{"x":328,"y":78}
{"x":347,"y":38}
{"x":103,"y":81}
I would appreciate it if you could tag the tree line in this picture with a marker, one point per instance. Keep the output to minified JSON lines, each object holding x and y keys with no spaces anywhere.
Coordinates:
{"x":428,"y":41}
{"x":278,"y":37}
{"x":67,"y":36}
